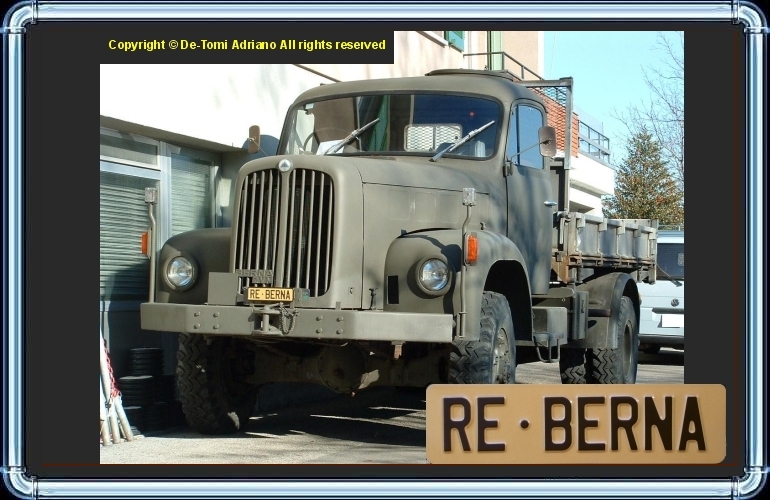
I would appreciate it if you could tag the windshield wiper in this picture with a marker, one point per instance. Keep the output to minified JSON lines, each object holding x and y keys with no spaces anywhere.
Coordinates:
{"x":471,"y":135}
{"x":349,"y":138}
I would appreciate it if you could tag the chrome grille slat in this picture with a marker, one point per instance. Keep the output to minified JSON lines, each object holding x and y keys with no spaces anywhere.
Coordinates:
{"x":309,"y":242}
{"x":276,"y":228}
{"x":259,"y":221}
{"x":253,"y":183}
{"x":290,"y":232}
{"x":328,"y":235}
{"x":267,"y":226}
{"x":301,"y":206}
{"x":299,"y":226}
{"x":240,"y":242}
{"x":318,"y":238}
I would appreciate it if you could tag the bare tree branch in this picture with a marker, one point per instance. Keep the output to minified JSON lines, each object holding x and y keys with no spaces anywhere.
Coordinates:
{"x":663,"y":115}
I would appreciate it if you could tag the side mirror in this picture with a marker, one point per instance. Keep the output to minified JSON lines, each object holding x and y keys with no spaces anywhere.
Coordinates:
{"x":547,"y":138}
{"x":253,"y":139}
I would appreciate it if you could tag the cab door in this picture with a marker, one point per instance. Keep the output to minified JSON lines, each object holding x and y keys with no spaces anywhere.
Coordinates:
{"x":530,"y":201}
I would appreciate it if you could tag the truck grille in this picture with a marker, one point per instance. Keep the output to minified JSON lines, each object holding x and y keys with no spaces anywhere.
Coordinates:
{"x":299,"y":254}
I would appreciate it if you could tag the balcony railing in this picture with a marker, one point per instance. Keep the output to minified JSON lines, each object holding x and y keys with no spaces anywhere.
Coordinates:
{"x":521,"y":72}
{"x":594,"y":143}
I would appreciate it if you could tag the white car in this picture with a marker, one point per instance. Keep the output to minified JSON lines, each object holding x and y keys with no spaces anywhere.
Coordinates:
{"x":662,"y":308}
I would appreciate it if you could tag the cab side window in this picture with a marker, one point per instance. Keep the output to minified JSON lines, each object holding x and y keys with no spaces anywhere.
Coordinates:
{"x":522,"y":134}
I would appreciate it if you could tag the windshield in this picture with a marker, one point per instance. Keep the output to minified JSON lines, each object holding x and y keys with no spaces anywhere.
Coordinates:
{"x":670,"y":261}
{"x":411,"y":124}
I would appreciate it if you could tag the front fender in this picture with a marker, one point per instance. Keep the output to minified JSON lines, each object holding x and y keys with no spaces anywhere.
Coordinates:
{"x":403,"y":294}
{"x":211,"y":250}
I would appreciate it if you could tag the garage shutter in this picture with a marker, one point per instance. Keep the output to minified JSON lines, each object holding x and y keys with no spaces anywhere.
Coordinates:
{"x":123,"y":269}
{"x":191,"y":194}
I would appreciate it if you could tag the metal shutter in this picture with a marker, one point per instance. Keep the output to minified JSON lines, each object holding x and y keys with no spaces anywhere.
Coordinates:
{"x":191,"y":194}
{"x":123,"y":269}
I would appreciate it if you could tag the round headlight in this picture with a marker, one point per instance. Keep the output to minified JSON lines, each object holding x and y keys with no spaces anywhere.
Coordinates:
{"x":180,"y":272}
{"x":434,"y":275}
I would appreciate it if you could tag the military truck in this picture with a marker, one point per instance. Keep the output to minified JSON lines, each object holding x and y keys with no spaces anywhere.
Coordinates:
{"x":409,"y":231}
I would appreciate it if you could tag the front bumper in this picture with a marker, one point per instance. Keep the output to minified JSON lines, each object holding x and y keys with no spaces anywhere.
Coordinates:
{"x":297,"y":323}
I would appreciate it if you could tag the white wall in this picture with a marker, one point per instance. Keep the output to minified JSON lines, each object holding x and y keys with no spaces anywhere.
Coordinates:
{"x":216,"y":103}
{"x":589,"y":180}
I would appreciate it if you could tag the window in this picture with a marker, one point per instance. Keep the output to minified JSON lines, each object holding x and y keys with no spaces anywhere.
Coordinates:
{"x":455,"y":39}
{"x":523,"y":134}
{"x":670,"y":261}
{"x":411,"y":124}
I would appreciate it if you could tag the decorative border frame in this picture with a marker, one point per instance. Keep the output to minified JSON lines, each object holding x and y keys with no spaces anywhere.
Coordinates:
{"x":735,"y":11}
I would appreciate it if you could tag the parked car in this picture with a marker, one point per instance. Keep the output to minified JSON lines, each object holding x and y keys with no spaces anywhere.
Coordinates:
{"x":662,"y":308}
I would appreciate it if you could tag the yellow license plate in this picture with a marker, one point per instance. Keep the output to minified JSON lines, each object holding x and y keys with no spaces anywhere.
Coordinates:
{"x":576,"y":424}
{"x":270,"y":294}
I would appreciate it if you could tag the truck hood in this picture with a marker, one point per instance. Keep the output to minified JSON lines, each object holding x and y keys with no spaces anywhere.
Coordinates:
{"x":446,"y":174}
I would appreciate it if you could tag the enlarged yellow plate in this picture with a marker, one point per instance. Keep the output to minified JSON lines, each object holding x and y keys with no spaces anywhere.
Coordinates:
{"x":576,"y":424}
{"x":270,"y":294}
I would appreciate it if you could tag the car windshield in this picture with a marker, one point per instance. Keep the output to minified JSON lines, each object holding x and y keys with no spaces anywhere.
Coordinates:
{"x":406,"y":124}
{"x":670,"y":261}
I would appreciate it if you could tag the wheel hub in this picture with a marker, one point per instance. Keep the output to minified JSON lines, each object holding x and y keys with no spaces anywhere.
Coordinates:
{"x":500,"y":353}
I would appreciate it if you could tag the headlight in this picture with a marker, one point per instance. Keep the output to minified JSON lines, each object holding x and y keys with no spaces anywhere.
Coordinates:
{"x":433,"y":275}
{"x":180,"y":272}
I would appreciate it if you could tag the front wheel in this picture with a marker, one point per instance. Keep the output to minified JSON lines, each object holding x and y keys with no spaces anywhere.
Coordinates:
{"x":492,"y":358}
{"x":215,"y":397}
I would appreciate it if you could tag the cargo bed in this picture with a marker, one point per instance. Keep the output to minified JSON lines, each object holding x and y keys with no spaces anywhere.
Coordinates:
{"x":583,"y":242}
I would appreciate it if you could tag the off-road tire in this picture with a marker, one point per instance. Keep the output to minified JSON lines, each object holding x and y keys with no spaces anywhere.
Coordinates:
{"x":492,"y":358}
{"x":572,"y":366}
{"x":606,"y":366}
{"x":213,"y":398}
{"x":618,"y":366}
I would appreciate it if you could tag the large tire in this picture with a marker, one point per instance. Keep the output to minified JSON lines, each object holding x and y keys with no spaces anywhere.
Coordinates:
{"x":618,"y":366}
{"x":572,"y":366}
{"x":492,"y":358}
{"x":214,"y":398}
{"x":606,"y":366}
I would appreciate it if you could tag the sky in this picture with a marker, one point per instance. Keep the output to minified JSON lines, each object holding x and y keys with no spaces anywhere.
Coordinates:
{"x":606,"y":67}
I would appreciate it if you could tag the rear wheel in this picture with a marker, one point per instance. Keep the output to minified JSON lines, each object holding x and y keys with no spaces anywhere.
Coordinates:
{"x":492,"y":358}
{"x":572,"y":366}
{"x":618,"y":366}
{"x":211,"y":376}
{"x":606,"y":366}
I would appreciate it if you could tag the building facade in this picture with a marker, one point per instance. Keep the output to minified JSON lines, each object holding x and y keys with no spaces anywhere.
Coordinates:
{"x":183,"y":129}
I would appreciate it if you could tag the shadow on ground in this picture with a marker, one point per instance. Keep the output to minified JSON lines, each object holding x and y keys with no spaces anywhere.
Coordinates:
{"x":382,"y":416}
{"x":666,"y":357}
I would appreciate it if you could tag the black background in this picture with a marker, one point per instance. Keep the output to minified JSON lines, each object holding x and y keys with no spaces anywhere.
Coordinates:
{"x":62,"y":81}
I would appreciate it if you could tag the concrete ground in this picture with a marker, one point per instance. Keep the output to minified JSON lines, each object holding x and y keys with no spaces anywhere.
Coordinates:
{"x":376,"y":426}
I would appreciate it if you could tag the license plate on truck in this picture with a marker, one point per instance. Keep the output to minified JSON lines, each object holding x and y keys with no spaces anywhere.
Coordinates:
{"x":270,"y":294}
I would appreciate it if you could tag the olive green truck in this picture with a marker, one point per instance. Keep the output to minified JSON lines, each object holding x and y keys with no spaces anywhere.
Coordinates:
{"x":409,"y":231}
